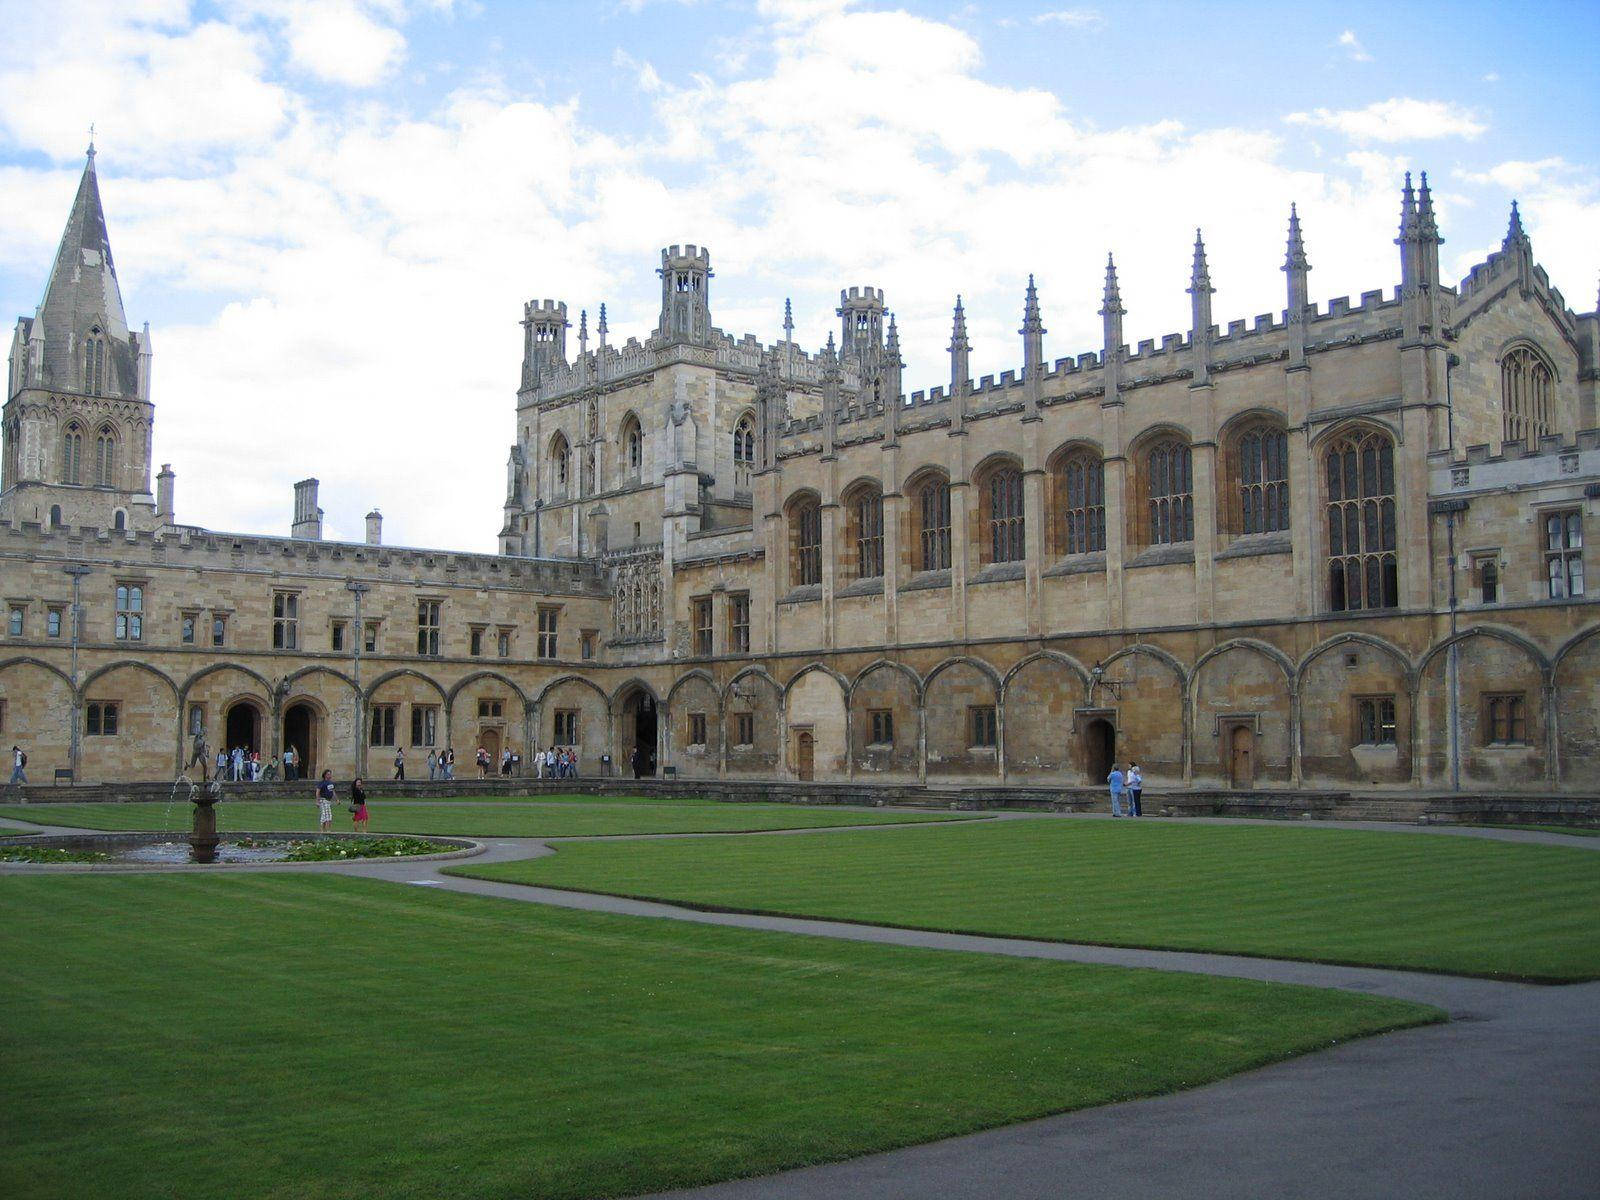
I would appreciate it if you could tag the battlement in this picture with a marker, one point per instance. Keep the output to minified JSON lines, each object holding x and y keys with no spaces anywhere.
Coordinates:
{"x":686,"y":256}
{"x":545,"y":311}
{"x":193,"y":548}
{"x":861,"y":297}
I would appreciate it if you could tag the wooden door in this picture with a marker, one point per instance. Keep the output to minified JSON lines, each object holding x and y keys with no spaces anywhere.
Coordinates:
{"x":805,"y":754}
{"x":1241,"y":764}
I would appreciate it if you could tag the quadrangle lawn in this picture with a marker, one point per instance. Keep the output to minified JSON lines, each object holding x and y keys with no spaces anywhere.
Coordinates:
{"x":289,"y":1036}
{"x":557,"y":816}
{"x":1429,"y":902}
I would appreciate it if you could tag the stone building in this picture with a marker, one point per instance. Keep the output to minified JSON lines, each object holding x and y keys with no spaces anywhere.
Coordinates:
{"x":1338,"y":546}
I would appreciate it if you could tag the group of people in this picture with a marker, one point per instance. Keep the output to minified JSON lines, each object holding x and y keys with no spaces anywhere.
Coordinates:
{"x":556,"y":763}
{"x":1127,"y":791}
{"x":326,"y":795}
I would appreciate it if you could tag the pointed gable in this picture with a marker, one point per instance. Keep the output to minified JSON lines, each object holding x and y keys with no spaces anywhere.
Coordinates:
{"x":82,"y":297}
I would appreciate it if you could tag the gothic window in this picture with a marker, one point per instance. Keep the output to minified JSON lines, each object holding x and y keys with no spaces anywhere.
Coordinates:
{"x":428,"y":627}
{"x":130,"y":612}
{"x":1527,"y":396}
{"x":105,"y":456}
{"x":933,"y":525}
{"x":744,"y":440}
{"x":1003,"y":502}
{"x":1563,"y":554}
{"x":1170,"y":486}
{"x":71,"y":453}
{"x":633,"y":445}
{"x":1080,"y":496}
{"x":94,"y":364}
{"x":1363,"y":563}
{"x":805,"y":523}
{"x":1263,"y":476}
{"x":866,"y":520}
{"x":560,"y":462}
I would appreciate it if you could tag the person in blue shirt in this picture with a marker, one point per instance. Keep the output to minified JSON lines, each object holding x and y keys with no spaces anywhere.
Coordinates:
{"x":1116,"y":780}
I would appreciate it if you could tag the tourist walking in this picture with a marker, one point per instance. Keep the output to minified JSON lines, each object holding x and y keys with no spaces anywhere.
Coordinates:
{"x":358,"y":804}
{"x":222,"y":762}
{"x":400,"y":763}
{"x":483,"y":763}
{"x":1117,"y":781}
{"x":290,"y":758}
{"x":19,"y":760}
{"x":505,"y":762}
{"x":325,"y":802}
{"x":433,"y":765}
{"x":238,"y":763}
{"x":1135,"y":789}
{"x":448,"y":761}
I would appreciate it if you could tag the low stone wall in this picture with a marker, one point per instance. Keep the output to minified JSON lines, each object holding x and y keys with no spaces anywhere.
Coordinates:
{"x":1193,"y":802}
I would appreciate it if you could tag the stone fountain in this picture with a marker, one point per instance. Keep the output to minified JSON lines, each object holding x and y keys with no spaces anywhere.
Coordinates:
{"x":203,"y":833}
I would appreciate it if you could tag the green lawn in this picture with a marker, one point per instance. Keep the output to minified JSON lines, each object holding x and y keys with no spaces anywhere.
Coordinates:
{"x":1440,"y":903}
{"x":289,"y":1036}
{"x":569,"y":816}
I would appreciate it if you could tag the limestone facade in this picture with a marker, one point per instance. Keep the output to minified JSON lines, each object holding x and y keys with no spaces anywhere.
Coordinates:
{"x":1342,"y":545}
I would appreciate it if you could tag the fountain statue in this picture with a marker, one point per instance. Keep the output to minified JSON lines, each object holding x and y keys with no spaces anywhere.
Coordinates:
{"x":203,"y":833}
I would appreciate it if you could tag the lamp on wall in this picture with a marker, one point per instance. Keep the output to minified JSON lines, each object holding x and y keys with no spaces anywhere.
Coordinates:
{"x":1097,"y":679}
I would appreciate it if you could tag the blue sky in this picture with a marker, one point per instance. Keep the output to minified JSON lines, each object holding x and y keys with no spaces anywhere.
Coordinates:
{"x":330,"y":211}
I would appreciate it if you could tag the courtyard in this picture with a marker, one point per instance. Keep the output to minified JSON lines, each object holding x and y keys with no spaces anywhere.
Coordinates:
{"x":765,"y":1001}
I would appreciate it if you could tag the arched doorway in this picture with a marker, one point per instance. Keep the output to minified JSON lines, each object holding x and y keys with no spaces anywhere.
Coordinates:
{"x":242,"y":726}
{"x":1241,"y":756}
{"x":300,"y":731}
{"x":1099,"y":749}
{"x":805,"y":755}
{"x":638,"y":732}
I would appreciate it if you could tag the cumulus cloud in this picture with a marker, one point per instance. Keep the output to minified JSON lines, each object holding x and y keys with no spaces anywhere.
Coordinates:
{"x":372,"y":262}
{"x":337,"y":42}
{"x":1400,"y":119}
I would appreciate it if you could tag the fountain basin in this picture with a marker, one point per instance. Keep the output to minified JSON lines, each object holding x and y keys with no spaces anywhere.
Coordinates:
{"x":234,"y":851}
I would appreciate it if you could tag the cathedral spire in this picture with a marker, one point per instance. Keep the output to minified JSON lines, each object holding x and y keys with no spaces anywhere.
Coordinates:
{"x":1515,"y":235}
{"x":1427,"y":226}
{"x":1295,"y":266}
{"x":602,"y":328}
{"x":1200,"y":273}
{"x":1408,"y":211}
{"x":788,"y":320}
{"x":1111,"y":312}
{"x":583,"y":332}
{"x":1032,"y":332}
{"x":960,"y":351}
{"x":890,"y":379}
{"x":1295,"y":260}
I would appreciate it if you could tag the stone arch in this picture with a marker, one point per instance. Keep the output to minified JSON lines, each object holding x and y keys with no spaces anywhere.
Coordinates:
{"x":472,"y":704}
{"x":582,"y":679}
{"x":755,"y":694}
{"x":1242,"y":682}
{"x":694,"y":693}
{"x":1493,"y":663}
{"x":450,"y":696}
{"x":149,"y":735}
{"x":400,"y":673}
{"x":39,"y":714}
{"x":633,"y":684}
{"x":814,"y":710}
{"x":216,"y":689}
{"x":1576,"y":688}
{"x":132,"y":664}
{"x":885,"y":687}
{"x":1040,"y":696}
{"x":637,"y":718}
{"x":1138,"y":688}
{"x":1353,"y":426}
{"x":575,"y":694}
{"x":1334,"y":748}
{"x":953,"y":690}
{"x":216,"y":668}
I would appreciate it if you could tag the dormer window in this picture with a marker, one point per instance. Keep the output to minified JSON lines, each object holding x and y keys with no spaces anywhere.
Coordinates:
{"x":94,"y":363}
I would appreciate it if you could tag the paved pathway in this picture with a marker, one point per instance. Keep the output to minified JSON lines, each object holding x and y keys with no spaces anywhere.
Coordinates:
{"x":1500,"y":1102}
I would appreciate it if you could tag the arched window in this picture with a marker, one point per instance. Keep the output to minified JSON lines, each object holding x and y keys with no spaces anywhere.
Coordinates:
{"x":119,"y":520}
{"x":94,"y":363}
{"x":55,"y":516}
{"x":744,"y":451}
{"x":1003,"y":515}
{"x":105,"y":457}
{"x":805,"y":525}
{"x":933,"y":525}
{"x":1527,"y":396}
{"x":560,"y":462}
{"x":71,"y":453}
{"x":1170,"y":483}
{"x":1263,"y":478}
{"x":1363,"y":568}
{"x":633,"y":445}
{"x":866,"y":527}
{"x":1079,"y":484}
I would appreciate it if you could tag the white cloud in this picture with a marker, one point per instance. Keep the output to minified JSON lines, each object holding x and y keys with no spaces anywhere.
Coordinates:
{"x":375,"y":262}
{"x":335,"y":41}
{"x":1400,"y":119}
{"x":1071,"y":17}
{"x":1352,"y":46}
{"x":1492,"y":77}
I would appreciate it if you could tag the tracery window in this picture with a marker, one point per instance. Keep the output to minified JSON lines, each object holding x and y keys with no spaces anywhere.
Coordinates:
{"x":105,"y":456}
{"x":1363,"y":564}
{"x":806,"y":523}
{"x":71,"y":453}
{"x":1527,"y":396}
{"x":1170,"y":484}
{"x":866,"y":514}
{"x":933,"y":525}
{"x":633,"y":445}
{"x":744,"y":451}
{"x":1080,"y":487}
{"x":1006,"y":522}
{"x":1263,"y":466}
{"x":560,"y":462}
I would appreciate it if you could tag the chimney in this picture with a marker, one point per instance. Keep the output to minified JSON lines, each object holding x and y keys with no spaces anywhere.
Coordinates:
{"x":307,"y":516}
{"x":374,"y":528}
{"x":164,"y":487}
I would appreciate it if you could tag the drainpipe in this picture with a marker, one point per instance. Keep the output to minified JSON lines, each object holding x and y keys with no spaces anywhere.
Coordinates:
{"x":78,"y":571}
{"x":359,"y":589}
{"x":1451,"y":362}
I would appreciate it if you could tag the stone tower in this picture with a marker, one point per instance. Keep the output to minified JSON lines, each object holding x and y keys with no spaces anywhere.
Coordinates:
{"x":544,"y":338}
{"x":77,"y":419}
{"x":685,"y":295}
